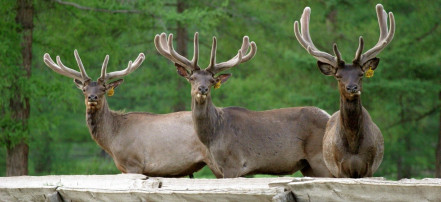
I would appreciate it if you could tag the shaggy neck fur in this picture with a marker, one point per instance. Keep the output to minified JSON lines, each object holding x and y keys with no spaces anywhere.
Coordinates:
{"x":205,"y":119}
{"x":351,"y":121}
{"x":100,"y":123}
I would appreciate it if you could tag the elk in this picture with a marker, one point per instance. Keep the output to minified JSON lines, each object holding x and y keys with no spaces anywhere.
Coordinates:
{"x":353,"y":145}
{"x":159,"y":145}
{"x":243,"y":142}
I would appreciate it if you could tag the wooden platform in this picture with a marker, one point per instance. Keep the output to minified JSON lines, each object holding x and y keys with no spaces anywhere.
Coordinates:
{"x":135,"y":187}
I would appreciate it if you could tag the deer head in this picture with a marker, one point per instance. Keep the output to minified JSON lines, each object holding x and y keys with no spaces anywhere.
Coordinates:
{"x":349,"y":76}
{"x":202,"y":80}
{"x":94,"y":91}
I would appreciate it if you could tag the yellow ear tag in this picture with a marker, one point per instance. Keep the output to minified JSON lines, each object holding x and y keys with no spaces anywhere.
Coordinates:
{"x":217,"y":85}
{"x":369,"y":73}
{"x":110,"y":92}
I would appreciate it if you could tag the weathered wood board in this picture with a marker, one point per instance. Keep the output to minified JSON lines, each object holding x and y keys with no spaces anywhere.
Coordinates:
{"x":136,"y":187}
{"x":365,"y":189}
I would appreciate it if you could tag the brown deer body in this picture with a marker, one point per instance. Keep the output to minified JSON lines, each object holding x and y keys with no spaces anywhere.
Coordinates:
{"x":163,"y":145}
{"x":353,"y":145}
{"x":241,"y":142}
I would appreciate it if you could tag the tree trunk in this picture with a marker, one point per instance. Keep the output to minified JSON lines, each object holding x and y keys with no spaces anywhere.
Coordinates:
{"x":17,"y":154}
{"x":404,"y":169}
{"x":438,"y":147}
{"x":407,"y":172}
{"x":17,"y":161}
{"x":182,"y":36}
{"x":399,"y":167}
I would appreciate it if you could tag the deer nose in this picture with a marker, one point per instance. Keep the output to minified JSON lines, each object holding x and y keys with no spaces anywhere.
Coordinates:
{"x":352,"y":88}
{"x":203,"y":89}
{"x":92,"y":98}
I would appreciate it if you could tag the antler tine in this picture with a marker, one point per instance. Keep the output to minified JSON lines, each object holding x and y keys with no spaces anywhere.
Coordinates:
{"x":304,"y":23}
{"x":164,"y":42}
{"x":161,"y":44}
{"x":359,"y":50}
{"x":239,"y":58}
{"x":130,"y":68}
{"x":165,"y":48}
{"x":245,"y":45}
{"x":74,"y":74}
{"x":251,"y":54}
{"x":210,"y":67}
{"x":80,"y":65}
{"x":179,"y":58}
{"x":228,"y":64}
{"x":305,"y":40}
{"x":382,"y":20}
{"x":83,"y":73}
{"x":243,"y":48}
{"x":104,"y":69}
{"x":337,"y":53}
{"x":195,"y":59}
{"x":386,"y":35}
{"x":299,"y":36}
{"x":56,"y":68}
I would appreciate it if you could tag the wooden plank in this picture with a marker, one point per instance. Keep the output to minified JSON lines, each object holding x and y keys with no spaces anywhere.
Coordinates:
{"x":365,"y":189}
{"x":135,"y":187}
{"x":180,"y":189}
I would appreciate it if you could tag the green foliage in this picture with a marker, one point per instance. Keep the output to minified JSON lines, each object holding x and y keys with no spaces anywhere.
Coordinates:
{"x":400,"y":95}
{"x":13,"y":80}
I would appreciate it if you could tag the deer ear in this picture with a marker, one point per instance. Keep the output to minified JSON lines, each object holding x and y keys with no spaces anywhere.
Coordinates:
{"x":222,"y":78}
{"x":326,"y":68}
{"x":371,"y":64}
{"x":79,"y":84}
{"x":181,"y":70}
{"x":114,"y":84}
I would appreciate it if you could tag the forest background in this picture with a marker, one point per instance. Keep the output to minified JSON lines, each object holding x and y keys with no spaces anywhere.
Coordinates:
{"x":42,"y":114}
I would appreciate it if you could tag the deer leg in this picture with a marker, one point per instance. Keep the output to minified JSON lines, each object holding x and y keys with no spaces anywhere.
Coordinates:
{"x":314,"y":170}
{"x":341,"y":171}
{"x":213,"y":168}
{"x":368,"y":170}
{"x":216,"y":172}
{"x":318,"y":166}
{"x":307,"y":171}
{"x":232,"y":173}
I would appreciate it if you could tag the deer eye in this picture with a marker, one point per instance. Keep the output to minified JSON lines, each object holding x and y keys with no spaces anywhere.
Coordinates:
{"x":191,"y":79}
{"x":212,"y":80}
{"x":360,"y":75}
{"x":338,"y":76}
{"x":84,"y":90}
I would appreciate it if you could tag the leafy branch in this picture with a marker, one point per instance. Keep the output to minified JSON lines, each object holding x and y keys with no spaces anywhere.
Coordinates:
{"x":97,"y":9}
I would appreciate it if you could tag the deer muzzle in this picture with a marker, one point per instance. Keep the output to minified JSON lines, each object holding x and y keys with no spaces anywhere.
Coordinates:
{"x":92,"y":104}
{"x":353,"y":89}
{"x":92,"y":100}
{"x":201,"y":93}
{"x":201,"y":96}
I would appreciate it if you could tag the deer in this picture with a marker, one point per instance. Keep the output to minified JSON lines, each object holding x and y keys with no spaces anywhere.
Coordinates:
{"x":156,"y":145}
{"x":244,"y":142}
{"x":353,"y":145}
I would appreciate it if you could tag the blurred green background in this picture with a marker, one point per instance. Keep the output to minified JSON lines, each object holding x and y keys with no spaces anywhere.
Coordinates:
{"x":403,"y":97}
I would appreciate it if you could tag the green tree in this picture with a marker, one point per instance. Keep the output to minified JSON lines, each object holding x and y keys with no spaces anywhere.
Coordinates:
{"x":15,"y":112}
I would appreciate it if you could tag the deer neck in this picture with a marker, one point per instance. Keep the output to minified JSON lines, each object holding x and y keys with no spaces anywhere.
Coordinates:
{"x":351,"y":121}
{"x":100,"y":125}
{"x":205,"y":118}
